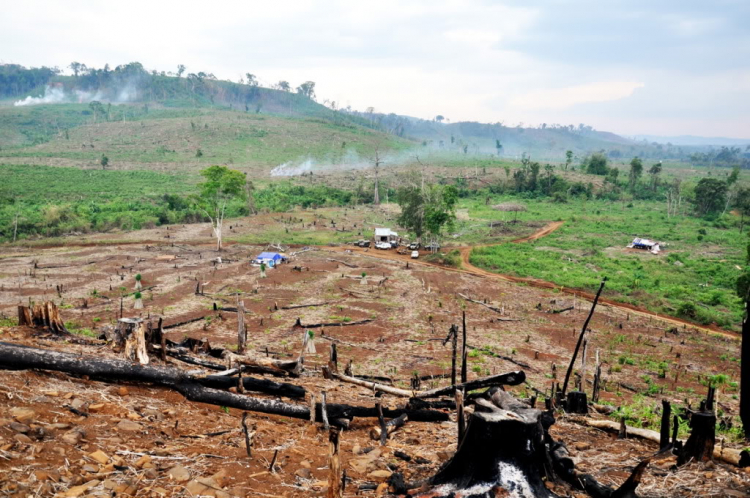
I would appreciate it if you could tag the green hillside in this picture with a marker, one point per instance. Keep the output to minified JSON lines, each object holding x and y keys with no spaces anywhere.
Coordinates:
{"x":185,"y":138}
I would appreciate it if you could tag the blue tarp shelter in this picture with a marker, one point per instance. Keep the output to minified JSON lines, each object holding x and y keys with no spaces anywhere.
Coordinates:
{"x":269,"y":258}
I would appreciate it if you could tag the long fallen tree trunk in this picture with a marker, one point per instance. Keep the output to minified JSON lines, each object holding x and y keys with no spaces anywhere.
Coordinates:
{"x":506,"y":379}
{"x":728,"y":455}
{"x":13,"y":356}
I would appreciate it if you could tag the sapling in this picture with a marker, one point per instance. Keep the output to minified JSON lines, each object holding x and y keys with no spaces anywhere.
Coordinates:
{"x":364,"y":279}
{"x":138,"y":301}
{"x":138,"y":285}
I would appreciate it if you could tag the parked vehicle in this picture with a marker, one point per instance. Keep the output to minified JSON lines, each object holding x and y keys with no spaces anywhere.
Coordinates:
{"x":434,"y":246}
{"x":414,"y":254}
{"x":414,"y":246}
{"x":362,"y":243}
{"x":383,"y":245}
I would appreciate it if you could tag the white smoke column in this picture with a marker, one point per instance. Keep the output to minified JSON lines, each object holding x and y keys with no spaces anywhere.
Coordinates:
{"x":291,"y":169}
{"x":51,"y":96}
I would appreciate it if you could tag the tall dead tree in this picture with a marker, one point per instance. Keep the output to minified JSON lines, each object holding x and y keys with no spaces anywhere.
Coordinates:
{"x":376,"y":196}
{"x":241,"y":330}
{"x":580,"y":338}
{"x":745,"y":371}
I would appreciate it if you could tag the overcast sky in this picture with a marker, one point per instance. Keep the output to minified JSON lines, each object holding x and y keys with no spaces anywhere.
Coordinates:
{"x":666,"y":67}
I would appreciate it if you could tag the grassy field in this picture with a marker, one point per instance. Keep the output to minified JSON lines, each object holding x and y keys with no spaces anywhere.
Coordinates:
{"x":184,"y":138}
{"x":694,"y":277}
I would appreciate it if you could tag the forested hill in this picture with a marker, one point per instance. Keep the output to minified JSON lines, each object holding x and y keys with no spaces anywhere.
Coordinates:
{"x":127,"y":92}
{"x":132,"y":83}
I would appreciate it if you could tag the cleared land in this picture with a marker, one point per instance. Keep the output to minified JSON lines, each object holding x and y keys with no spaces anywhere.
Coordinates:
{"x":645,"y":360}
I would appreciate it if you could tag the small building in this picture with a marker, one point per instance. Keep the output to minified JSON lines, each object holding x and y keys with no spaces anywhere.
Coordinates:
{"x":646,"y":245}
{"x":385,"y":235}
{"x":270,"y":259}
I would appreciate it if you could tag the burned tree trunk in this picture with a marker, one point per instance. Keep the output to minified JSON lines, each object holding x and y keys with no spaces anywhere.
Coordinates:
{"x":700,"y":445}
{"x":507,"y":451}
{"x":16,"y":357}
{"x":44,"y":315}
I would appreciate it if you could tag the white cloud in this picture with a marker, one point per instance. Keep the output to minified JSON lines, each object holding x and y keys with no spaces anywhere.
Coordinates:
{"x":483,"y":60}
{"x":563,"y":98}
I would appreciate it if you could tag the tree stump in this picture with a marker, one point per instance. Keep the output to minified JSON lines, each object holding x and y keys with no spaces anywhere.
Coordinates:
{"x":576,"y":403}
{"x":507,"y":451}
{"x":502,"y":449}
{"x":700,"y":444}
{"x":45,"y":316}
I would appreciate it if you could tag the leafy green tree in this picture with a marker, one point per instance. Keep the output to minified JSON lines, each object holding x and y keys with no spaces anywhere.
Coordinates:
{"x":710,"y":196}
{"x":498,"y":147}
{"x":568,"y":158}
{"x":283,"y":86}
{"x":251,"y":79}
{"x":77,"y":68}
{"x":307,"y":89}
{"x":427,"y":210}
{"x":636,"y":170}
{"x":596,"y":164}
{"x":655,"y":171}
{"x":733,"y":176}
{"x":180,"y":69}
{"x":439,"y":118}
{"x":221,"y":186}
{"x":104,"y":161}
{"x":742,"y":204}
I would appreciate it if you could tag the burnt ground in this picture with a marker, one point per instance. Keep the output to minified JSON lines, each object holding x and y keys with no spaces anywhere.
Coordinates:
{"x":169,"y":452}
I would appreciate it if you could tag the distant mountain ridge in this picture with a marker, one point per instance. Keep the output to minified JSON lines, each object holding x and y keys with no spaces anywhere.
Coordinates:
{"x":692,"y":140}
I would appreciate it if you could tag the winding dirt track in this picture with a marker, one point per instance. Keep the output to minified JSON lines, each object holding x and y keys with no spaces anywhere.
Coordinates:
{"x":468,"y":268}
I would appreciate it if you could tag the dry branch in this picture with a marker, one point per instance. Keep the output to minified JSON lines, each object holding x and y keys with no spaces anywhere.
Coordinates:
{"x":496,"y":310}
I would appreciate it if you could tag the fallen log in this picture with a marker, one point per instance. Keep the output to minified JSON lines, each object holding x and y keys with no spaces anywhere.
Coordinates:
{"x":390,"y":427}
{"x":298,"y":324}
{"x":17,"y":357}
{"x":192,"y":360}
{"x":297,"y":306}
{"x":728,"y":455}
{"x":486,"y":350}
{"x":184,"y":322}
{"x":14,"y":356}
{"x":496,"y":310}
{"x":280,"y":367}
{"x":506,"y":379}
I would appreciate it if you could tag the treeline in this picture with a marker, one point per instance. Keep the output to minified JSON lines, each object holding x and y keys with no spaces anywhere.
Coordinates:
{"x":16,"y":80}
{"x":29,"y":216}
{"x":134,"y":83}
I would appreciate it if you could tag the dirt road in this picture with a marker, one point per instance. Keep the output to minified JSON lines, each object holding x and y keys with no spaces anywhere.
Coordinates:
{"x":467,"y":267}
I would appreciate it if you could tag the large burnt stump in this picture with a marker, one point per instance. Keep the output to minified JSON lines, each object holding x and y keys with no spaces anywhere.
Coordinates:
{"x":503,"y":449}
{"x":507,"y":451}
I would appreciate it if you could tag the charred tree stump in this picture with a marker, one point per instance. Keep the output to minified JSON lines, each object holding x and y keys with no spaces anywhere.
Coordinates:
{"x":507,"y":451}
{"x":503,"y":449}
{"x":576,"y":403}
{"x":666,"y":416}
{"x":700,"y":445}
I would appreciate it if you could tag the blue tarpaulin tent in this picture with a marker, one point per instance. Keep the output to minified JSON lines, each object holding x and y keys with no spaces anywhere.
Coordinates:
{"x":269,"y":258}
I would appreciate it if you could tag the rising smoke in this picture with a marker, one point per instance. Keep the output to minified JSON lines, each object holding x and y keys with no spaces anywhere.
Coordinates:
{"x":57,"y":95}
